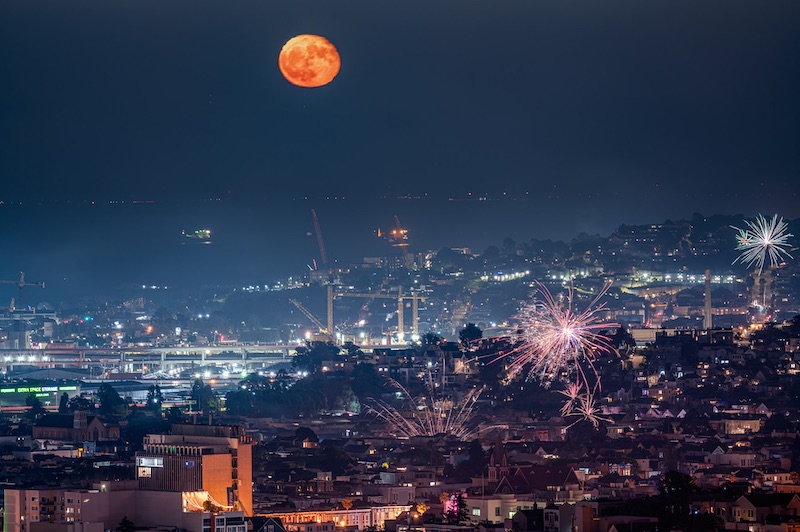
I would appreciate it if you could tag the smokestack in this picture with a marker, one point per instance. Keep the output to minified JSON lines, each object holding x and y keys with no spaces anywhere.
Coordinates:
{"x":707,"y":323}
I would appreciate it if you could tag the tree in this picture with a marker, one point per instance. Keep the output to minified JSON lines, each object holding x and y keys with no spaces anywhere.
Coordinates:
{"x":63,"y":403}
{"x":36,"y":409}
{"x":347,"y":503}
{"x":623,"y":340}
{"x":203,"y":396}
{"x":676,"y":488}
{"x":455,"y":509}
{"x":209,"y":506}
{"x":311,"y":356}
{"x":239,"y":403}
{"x":352,"y":349}
{"x":79,"y":403}
{"x":154,"y":398}
{"x":174,"y":415}
{"x":110,"y":401}
{"x":430,"y":338}
{"x":366,"y":382}
{"x":126,"y":525}
{"x":469,"y":334}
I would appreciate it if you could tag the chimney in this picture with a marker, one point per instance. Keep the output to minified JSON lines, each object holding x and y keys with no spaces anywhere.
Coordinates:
{"x":707,"y":322}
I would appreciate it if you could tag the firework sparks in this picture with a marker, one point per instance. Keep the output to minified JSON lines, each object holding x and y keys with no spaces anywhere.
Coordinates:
{"x":573,"y":393}
{"x":555,"y":339}
{"x":558,"y":343}
{"x":763,"y":240}
{"x":429,"y":416}
{"x":586,"y":409}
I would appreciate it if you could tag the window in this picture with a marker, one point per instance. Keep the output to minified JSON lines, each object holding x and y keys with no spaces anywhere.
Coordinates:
{"x":146,"y":461}
{"x":497,"y":511}
{"x":476,"y":511}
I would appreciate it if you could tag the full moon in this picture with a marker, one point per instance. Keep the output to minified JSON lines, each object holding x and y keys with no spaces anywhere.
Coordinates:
{"x":309,"y":61}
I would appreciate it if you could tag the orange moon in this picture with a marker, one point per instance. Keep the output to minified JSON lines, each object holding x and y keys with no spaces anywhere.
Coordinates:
{"x":309,"y":61}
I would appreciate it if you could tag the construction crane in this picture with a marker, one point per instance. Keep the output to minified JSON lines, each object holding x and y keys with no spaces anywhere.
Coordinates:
{"x":20,"y":285}
{"x":313,"y":319}
{"x":328,"y":279}
{"x":323,"y":255}
{"x":414,"y":297}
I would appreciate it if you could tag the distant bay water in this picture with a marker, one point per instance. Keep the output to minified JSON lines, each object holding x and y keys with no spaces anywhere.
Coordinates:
{"x":103,"y":249}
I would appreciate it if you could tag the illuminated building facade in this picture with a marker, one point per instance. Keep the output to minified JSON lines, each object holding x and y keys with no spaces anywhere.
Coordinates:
{"x":217,"y":460}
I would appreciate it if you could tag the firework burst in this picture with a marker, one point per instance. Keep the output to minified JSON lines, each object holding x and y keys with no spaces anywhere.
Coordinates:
{"x":556,"y":342}
{"x":554,"y":338}
{"x":764,"y":240}
{"x":428,"y":415}
{"x":586,"y":409}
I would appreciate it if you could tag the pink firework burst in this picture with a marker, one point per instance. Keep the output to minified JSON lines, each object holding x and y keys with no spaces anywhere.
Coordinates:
{"x":556,"y":342}
{"x":572,"y":392}
{"x":586,"y":409}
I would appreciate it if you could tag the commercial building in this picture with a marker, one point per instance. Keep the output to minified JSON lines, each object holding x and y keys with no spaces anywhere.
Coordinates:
{"x":217,"y":460}
{"x":105,"y":506}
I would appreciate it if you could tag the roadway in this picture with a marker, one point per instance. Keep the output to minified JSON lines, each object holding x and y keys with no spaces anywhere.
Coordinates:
{"x":132,"y":359}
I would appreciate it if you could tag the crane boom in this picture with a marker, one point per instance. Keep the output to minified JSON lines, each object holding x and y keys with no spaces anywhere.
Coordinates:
{"x":21,"y":283}
{"x":318,"y":231}
{"x":313,"y":319}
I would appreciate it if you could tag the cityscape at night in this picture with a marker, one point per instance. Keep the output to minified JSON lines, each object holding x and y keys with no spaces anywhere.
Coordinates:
{"x":458,"y":266}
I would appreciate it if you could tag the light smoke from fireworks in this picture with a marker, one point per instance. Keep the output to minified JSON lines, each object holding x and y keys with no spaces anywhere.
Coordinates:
{"x":763,"y":239}
{"x":555,"y":342}
{"x":428,"y":415}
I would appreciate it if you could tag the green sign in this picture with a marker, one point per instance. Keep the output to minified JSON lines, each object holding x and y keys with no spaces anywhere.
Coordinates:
{"x":39,"y":389}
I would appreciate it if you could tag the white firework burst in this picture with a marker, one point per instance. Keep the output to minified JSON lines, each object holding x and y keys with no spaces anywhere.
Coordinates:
{"x":764,"y":240}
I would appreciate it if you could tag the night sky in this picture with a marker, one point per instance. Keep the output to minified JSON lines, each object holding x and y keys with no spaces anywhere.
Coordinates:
{"x":608,"y":112}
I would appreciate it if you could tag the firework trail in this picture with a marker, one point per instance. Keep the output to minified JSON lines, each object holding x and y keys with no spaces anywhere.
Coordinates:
{"x":763,"y":239}
{"x":556,"y":343}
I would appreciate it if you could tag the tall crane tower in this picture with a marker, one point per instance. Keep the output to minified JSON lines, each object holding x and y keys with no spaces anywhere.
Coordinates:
{"x":21,"y":284}
{"x":328,"y":273}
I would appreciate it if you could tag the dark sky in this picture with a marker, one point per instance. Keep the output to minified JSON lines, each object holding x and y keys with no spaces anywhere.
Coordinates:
{"x":689,"y":101}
